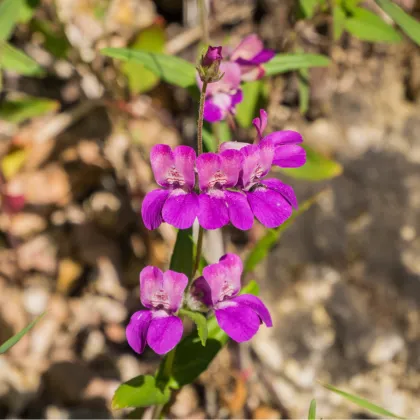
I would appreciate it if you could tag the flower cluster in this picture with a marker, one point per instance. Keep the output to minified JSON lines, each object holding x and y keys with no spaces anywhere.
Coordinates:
{"x":162,"y":294}
{"x":232,"y":184}
{"x":243,"y":63}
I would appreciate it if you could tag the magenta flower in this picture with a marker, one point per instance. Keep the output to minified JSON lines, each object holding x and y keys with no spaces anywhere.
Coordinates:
{"x":162,"y":293}
{"x":287,"y":154}
{"x":176,"y":203}
{"x":213,"y":54}
{"x":270,"y":200}
{"x":217,"y":205}
{"x":250,"y":54}
{"x":238,"y":316}
{"x":223,"y":96}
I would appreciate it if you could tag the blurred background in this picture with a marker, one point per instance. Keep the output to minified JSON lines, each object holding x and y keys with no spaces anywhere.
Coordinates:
{"x":76,"y":128}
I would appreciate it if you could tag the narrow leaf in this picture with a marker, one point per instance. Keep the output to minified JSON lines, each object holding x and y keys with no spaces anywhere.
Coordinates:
{"x":304,"y":94}
{"x":312,"y":411}
{"x":282,"y":63}
{"x":408,"y":24}
{"x":367,"y":26}
{"x":19,"y":110}
{"x":13,"y":340}
{"x":199,"y":320}
{"x":308,"y":7}
{"x":373,"y":408}
{"x":140,"y":391}
{"x":9,"y":15}
{"x":263,"y":246}
{"x":140,"y":79}
{"x":339,"y":18}
{"x":182,"y":256}
{"x":13,"y":59}
{"x":316,"y":168}
{"x":246,"y":110}
{"x":171,"y":69}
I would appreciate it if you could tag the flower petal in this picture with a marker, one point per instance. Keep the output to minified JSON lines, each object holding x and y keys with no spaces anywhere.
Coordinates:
{"x":151,"y":208}
{"x":231,"y":161}
{"x":235,"y":99}
{"x":285,"y":190}
{"x":185,"y":162}
{"x":289,"y":156}
{"x":256,"y":305}
{"x":162,"y":160}
{"x":263,"y":56}
{"x":284,"y":137}
{"x":248,"y":48}
{"x":200,"y":291}
{"x":208,"y":164}
{"x":260,"y":124}
{"x":136,"y":330}
{"x":213,"y":212}
{"x":266,"y":156}
{"x":269,"y":207}
{"x":240,"y":214}
{"x":212,"y":111}
{"x":164,"y":333}
{"x":180,"y":209}
{"x":151,"y":288}
{"x":224,"y":277}
{"x":230,"y":81}
{"x":239,"y":322}
{"x":252,"y":72}
{"x":235,"y":145}
{"x":251,"y":158}
{"x":174,"y":285}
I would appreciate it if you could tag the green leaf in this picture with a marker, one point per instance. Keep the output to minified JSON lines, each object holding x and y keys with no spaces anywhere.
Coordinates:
{"x":316,"y":168}
{"x":373,"y":408}
{"x":367,"y":26}
{"x":282,"y":63}
{"x":16,"y":60}
{"x":308,"y":7}
{"x":140,"y":79}
{"x":201,"y":322}
{"x":191,"y":359}
{"x":407,"y":23}
{"x":9,"y":15}
{"x":304,"y":94}
{"x":182,"y":255}
{"x":246,"y":110}
{"x":140,"y":391}
{"x":312,"y":411}
{"x":171,"y":69}
{"x":272,"y":236}
{"x":27,"y":10}
{"x":211,"y":132}
{"x":13,"y":340}
{"x":339,"y":18}
{"x":209,"y":142}
{"x":13,"y":162}
{"x":21,"y":109}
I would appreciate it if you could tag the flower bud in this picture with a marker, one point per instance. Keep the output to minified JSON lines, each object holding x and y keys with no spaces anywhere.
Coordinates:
{"x":208,"y":69}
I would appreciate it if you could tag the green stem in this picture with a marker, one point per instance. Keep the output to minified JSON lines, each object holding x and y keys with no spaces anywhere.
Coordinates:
{"x":200,"y":119}
{"x":198,"y":252}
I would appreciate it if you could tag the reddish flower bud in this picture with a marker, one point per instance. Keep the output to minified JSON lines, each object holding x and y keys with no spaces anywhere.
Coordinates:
{"x":213,"y":54}
{"x":208,"y":69}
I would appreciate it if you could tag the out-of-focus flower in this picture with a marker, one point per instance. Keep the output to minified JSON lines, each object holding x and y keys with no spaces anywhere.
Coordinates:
{"x":238,"y":316}
{"x":270,"y":200}
{"x":218,"y":205}
{"x":162,"y":293}
{"x":250,"y":55}
{"x":176,"y":203}
{"x":12,"y":199}
{"x":288,"y":153}
{"x":223,"y":96}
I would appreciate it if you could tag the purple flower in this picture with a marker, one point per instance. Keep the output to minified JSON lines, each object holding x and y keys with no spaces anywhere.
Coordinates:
{"x":287,"y":154}
{"x":217,"y":205}
{"x":213,"y":54}
{"x":270,"y":200}
{"x":223,"y":96}
{"x":162,"y":293}
{"x":250,"y":54}
{"x":176,"y":203}
{"x":238,"y":316}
